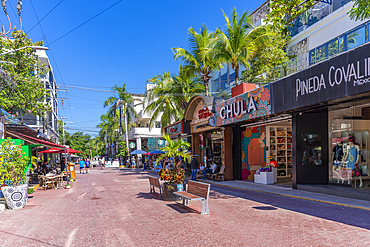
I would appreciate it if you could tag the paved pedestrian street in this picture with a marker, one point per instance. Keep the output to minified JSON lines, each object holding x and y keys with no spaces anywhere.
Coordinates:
{"x":114,"y":208}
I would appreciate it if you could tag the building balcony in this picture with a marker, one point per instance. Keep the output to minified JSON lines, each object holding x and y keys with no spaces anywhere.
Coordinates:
{"x":144,"y":132}
{"x":313,"y":15}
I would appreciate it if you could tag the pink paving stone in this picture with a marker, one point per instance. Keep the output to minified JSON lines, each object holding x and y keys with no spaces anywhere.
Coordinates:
{"x":114,"y":208}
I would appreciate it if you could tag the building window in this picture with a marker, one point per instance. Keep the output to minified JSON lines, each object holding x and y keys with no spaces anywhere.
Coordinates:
{"x":340,"y":44}
{"x":157,"y":124}
{"x":320,"y":53}
{"x":312,"y":56}
{"x":356,"y":37}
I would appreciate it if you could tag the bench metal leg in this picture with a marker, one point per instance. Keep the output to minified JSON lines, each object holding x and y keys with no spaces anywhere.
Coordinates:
{"x":152,"y":190}
{"x":160,"y":193}
{"x":205,"y":209}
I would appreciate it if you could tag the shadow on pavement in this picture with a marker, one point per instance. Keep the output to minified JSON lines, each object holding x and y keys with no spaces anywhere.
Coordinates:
{"x":346,"y":215}
{"x":33,"y":239}
{"x":182,"y":209}
{"x":148,"y":196}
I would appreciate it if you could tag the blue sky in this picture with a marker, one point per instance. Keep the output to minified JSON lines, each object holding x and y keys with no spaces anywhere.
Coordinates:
{"x":129,"y":43}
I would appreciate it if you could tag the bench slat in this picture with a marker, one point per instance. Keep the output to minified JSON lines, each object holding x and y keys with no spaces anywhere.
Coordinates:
{"x":198,"y":189}
{"x":187,"y":195}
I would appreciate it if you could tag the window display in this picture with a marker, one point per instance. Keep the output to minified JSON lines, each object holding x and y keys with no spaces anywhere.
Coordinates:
{"x":349,"y":156}
{"x":280,"y":149}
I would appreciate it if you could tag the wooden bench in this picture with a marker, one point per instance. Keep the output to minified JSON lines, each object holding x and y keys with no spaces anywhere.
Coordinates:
{"x":196,"y":191}
{"x":154,"y":182}
{"x":219,"y":176}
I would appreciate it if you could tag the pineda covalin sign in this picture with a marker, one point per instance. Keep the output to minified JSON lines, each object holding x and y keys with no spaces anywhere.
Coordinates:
{"x":344,"y":75}
{"x":357,"y":72}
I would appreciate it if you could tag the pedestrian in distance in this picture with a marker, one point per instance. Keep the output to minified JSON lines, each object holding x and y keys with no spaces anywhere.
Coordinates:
{"x":82,"y":165}
{"x":87,"y":165}
{"x":194,"y":166}
{"x":210,"y":170}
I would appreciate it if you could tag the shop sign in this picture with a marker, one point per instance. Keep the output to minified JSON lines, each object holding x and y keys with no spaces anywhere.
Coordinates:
{"x":175,"y":129}
{"x":204,"y":113}
{"x":161,"y":143}
{"x":254,"y":104}
{"x":201,"y":114}
{"x":132,"y":145}
{"x":345,"y":75}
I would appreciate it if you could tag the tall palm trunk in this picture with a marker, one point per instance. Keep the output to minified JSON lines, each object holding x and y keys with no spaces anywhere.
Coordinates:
{"x":236,"y":69}
{"x":205,"y":78}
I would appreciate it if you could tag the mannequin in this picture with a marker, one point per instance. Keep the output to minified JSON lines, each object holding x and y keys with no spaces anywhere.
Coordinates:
{"x":337,"y":161}
{"x":351,"y":158}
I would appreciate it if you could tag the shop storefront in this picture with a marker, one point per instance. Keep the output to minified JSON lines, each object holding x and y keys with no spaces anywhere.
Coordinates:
{"x":246,"y":115}
{"x":330,"y":108}
{"x":206,"y":139}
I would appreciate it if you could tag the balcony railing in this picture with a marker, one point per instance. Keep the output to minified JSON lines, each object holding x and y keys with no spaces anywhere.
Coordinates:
{"x":314,"y":14}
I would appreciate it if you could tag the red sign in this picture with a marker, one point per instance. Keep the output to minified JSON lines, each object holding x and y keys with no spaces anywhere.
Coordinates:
{"x":204,"y":113}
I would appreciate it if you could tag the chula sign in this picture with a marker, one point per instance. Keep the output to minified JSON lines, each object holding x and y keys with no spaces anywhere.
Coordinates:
{"x":357,"y":72}
{"x":237,"y":108}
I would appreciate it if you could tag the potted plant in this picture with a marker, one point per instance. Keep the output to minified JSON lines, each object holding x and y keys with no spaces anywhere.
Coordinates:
{"x":173,"y":178}
{"x":68,"y":186}
{"x":13,"y":169}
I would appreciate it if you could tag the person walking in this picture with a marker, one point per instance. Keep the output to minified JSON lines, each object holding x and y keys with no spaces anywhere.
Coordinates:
{"x":194,"y":166}
{"x":82,"y":165}
{"x":87,"y":165}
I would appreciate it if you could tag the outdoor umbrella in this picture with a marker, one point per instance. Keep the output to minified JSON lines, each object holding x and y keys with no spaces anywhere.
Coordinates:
{"x":138,"y":152}
{"x":71,"y":151}
{"x":147,"y":154}
{"x":157,"y":152}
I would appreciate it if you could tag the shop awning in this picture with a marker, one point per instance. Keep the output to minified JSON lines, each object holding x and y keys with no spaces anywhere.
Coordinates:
{"x":58,"y":150}
{"x":32,"y":140}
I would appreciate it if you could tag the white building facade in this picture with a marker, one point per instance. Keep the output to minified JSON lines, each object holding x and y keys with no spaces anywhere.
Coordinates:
{"x":47,"y":125}
{"x":145,"y":138}
{"x":322,"y":32}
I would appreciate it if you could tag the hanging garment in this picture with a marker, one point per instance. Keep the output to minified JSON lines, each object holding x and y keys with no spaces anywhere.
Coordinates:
{"x":352,"y":157}
{"x":338,"y":153}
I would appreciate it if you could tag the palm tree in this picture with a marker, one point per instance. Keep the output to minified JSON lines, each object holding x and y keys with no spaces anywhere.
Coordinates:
{"x":175,"y":148}
{"x":161,"y":101}
{"x":125,"y":99}
{"x":185,"y":86}
{"x":194,"y":59}
{"x":171,"y":95}
{"x":239,"y":42}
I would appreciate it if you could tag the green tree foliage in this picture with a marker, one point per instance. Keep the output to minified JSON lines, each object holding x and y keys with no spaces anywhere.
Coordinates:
{"x":126,"y":100}
{"x":79,"y":141}
{"x":122,"y":151}
{"x":21,"y":91}
{"x":175,"y":148}
{"x":360,"y":10}
{"x":240,"y":41}
{"x":170,"y":96}
{"x":197,"y":60}
{"x":268,"y":55}
{"x":283,"y":12}
{"x":13,"y":163}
